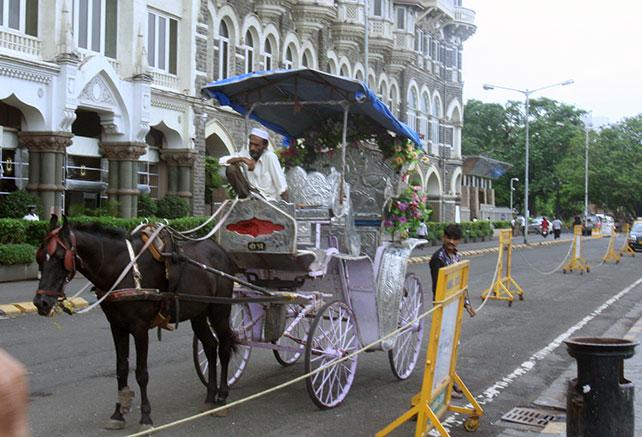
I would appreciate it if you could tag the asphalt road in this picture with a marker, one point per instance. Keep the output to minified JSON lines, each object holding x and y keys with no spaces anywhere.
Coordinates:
{"x":71,"y":360}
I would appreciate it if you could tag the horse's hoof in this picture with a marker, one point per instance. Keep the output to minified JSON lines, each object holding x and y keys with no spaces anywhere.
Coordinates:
{"x":113,"y":424}
{"x":145,"y":427}
{"x":208,"y":406}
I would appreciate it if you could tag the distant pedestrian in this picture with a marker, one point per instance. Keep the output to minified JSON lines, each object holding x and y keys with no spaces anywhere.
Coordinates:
{"x":512,"y":225}
{"x":545,"y":225}
{"x":522,"y":224}
{"x":31,"y":215}
{"x":422,"y":230}
{"x":557,"y":227}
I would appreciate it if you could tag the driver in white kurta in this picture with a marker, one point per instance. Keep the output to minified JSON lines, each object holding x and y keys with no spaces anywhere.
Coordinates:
{"x":263,"y":169}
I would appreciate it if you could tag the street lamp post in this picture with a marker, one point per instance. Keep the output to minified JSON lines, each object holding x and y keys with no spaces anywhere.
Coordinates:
{"x":527,"y":94}
{"x":511,"y":193}
{"x":587,"y":128}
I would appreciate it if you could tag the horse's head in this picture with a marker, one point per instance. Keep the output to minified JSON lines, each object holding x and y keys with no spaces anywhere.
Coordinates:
{"x":56,"y":259}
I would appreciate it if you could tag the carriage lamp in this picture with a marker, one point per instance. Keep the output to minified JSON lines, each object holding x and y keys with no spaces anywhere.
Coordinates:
{"x":8,"y":165}
{"x":83,"y":170}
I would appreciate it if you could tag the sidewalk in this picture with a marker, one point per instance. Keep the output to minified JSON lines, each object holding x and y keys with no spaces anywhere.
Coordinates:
{"x":553,"y":399}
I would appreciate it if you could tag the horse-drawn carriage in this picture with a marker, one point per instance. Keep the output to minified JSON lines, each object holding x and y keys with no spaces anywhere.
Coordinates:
{"x":304,"y":283}
{"x":311,"y":244}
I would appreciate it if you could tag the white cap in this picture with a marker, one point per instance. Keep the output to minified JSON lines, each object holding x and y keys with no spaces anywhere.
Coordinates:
{"x":260,"y":133}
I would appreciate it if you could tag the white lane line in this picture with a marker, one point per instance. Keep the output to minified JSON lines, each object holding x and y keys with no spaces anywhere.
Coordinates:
{"x":494,"y":390}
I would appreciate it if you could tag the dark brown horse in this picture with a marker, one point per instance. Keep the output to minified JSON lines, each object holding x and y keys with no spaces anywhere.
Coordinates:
{"x":100,"y":254}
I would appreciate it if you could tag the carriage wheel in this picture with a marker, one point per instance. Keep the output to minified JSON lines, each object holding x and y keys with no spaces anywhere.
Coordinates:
{"x":333,"y":335}
{"x":298,"y":332}
{"x":403,"y":355}
{"x":240,"y":317}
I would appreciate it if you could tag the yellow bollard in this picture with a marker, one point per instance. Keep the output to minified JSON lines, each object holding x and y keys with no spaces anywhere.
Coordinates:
{"x":504,"y":285}
{"x":434,"y":399}
{"x":611,"y":254}
{"x":577,"y":262}
{"x":626,"y":249}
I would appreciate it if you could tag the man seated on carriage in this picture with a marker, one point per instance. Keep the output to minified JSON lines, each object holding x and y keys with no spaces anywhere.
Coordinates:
{"x":256,"y":168}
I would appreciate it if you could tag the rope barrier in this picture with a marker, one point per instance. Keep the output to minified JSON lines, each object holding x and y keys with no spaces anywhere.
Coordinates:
{"x":287,"y":383}
{"x":478,"y":309}
{"x":555,"y":269}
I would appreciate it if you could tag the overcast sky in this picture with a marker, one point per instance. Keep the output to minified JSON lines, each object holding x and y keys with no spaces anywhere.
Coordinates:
{"x":533,"y":43}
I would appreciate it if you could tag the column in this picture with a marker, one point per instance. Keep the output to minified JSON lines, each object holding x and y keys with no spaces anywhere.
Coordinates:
{"x":46,"y":160}
{"x":179,"y":170}
{"x":123,"y":174}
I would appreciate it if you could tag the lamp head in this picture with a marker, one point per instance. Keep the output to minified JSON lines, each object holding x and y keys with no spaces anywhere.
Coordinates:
{"x":488,"y":87}
{"x":568,"y":82}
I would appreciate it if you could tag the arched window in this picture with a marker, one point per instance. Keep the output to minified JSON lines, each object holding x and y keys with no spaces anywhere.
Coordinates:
{"x":344,"y":71}
{"x":289,"y":59}
{"x":425,"y":116}
{"x":307,"y":59}
{"x":394,"y":100}
{"x":223,"y":50}
{"x":436,"y":120}
{"x":413,"y":104}
{"x":249,"y":52}
{"x":267,"y":55}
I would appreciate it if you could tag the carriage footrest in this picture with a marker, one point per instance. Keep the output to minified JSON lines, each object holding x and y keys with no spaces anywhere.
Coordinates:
{"x":276,"y":283}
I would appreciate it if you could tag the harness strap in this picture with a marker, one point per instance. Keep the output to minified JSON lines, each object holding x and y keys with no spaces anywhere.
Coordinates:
{"x":124,"y":272}
{"x":137,"y":275}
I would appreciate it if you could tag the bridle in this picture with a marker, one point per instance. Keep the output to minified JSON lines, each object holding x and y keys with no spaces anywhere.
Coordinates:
{"x":52,"y":241}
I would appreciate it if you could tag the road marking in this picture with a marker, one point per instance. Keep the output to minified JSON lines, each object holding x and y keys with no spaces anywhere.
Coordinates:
{"x":15,"y":309}
{"x":494,"y":390}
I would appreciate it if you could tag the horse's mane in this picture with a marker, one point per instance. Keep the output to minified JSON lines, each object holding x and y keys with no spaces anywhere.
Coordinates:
{"x":100,"y":229}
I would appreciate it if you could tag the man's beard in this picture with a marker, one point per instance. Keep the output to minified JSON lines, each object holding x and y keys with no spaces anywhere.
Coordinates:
{"x":256,"y":154}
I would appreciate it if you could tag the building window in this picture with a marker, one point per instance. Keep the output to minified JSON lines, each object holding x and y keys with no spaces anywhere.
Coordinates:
{"x":436,"y":112}
{"x":267,"y":55}
{"x":419,"y":40}
{"x":401,"y":18}
{"x":377,"y":8}
{"x":425,"y":117}
{"x":427,"y":45}
{"x":162,"y":36}
{"x":249,"y":52}
{"x":223,"y":50}
{"x":95,"y":26}
{"x":307,"y":59}
{"x":148,"y":177}
{"x":20,"y":15}
{"x":289,"y":61}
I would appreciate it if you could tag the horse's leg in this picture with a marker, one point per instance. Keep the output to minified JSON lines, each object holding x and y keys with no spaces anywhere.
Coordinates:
{"x":125,"y":395}
{"x":204,"y":334}
{"x":141,"y":339}
{"x":220,"y":320}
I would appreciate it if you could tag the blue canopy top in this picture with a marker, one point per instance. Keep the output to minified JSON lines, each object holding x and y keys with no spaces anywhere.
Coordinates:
{"x":325,"y":92}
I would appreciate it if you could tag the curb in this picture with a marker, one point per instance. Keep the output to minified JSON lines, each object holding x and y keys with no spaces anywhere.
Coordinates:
{"x":15,"y":309}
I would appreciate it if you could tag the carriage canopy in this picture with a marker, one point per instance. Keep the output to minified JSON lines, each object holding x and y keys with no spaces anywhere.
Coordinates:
{"x":290,"y":102}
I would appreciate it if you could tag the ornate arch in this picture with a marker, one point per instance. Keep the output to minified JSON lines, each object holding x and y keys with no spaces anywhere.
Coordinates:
{"x":456,"y":180}
{"x":434,"y":187}
{"x":215,"y":127}
{"x":308,"y":47}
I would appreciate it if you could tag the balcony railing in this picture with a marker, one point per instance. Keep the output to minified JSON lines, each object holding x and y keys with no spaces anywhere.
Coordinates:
{"x":404,"y":41}
{"x":350,"y":13}
{"x":380,"y":28}
{"x":326,"y":3}
{"x":19,"y":42}
{"x":447,"y":6}
{"x":465,"y":15}
{"x":165,"y":80}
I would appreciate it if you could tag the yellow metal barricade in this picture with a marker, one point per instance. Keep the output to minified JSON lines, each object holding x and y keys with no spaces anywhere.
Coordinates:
{"x":504,"y":285}
{"x":596,"y":232}
{"x":626,"y":249}
{"x":611,"y":254}
{"x":577,"y":262}
{"x":434,"y":399}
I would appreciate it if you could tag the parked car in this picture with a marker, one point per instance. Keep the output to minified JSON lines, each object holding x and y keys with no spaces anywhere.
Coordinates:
{"x":535,"y":224}
{"x":635,"y":237}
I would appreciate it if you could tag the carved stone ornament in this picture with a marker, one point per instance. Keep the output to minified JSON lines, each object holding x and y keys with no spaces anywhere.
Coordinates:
{"x":97,"y":92}
{"x":45,"y":141}
{"x":179,"y":157}
{"x":125,"y":151}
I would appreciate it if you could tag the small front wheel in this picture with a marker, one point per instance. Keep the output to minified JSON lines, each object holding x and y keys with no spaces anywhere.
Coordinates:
{"x":471,"y":424}
{"x":295,"y":338}
{"x":332,"y":336}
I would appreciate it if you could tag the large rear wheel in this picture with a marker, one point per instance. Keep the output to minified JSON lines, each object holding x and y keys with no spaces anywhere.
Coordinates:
{"x":405,"y":352}
{"x":240,"y":319}
{"x":332,"y":336}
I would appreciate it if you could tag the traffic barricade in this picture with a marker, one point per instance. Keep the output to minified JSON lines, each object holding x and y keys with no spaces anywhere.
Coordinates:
{"x":435,"y":398}
{"x":611,"y":254}
{"x":626,"y":249}
{"x":504,"y":285}
{"x":577,"y":262}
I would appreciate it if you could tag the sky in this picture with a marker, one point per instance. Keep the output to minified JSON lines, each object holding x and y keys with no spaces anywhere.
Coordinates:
{"x":528,"y":44}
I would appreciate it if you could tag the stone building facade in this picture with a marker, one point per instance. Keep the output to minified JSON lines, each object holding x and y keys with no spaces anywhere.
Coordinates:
{"x":101,"y":99}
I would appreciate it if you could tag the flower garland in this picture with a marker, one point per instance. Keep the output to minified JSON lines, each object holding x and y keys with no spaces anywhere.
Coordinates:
{"x":405,"y":212}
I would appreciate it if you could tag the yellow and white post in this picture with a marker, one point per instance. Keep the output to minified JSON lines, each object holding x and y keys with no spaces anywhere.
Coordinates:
{"x":504,"y":285}
{"x":611,"y":254}
{"x":626,"y":249}
{"x":434,"y":399}
{"x":577,"y":262}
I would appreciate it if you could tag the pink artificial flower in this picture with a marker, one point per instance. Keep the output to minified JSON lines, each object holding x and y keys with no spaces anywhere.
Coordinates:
{"x":402,"y":206}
